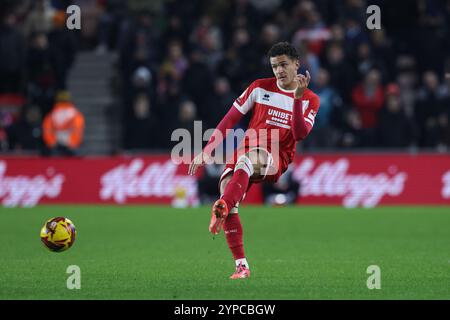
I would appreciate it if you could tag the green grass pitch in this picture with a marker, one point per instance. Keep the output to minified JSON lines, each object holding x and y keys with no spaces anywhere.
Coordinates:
{"x":145,"y":252}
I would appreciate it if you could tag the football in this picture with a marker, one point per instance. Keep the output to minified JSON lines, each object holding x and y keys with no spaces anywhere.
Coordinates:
{"x":58,"y":234}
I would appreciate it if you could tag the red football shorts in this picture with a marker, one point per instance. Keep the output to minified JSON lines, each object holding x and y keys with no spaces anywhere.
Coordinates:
{"x":277,"y":166}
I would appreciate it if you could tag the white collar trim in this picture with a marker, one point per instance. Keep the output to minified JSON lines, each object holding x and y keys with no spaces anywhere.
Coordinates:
{"x":284,"y":90}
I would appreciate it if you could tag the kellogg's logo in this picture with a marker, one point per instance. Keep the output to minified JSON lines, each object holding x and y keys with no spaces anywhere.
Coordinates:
{"x":333,"y":180}
{"x":134,"y":180}
{"x":27,"y":191}
{"x":446,"y":185}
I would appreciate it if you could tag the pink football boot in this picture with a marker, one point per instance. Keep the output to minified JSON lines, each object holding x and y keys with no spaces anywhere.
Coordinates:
{"x":241,"y":272}
{"x":219,"y":213}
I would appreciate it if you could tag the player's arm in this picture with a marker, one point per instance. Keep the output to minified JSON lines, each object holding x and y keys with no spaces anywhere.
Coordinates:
{"x":301,"y":125}
{"x":239,"y":108}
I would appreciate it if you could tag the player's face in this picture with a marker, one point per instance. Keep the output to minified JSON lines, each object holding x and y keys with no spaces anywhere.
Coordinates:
{"x":285,"y":70}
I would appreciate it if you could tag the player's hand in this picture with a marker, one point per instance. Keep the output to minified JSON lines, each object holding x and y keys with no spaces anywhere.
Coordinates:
{"x":302,"y":84}
{"x":198,"y":162}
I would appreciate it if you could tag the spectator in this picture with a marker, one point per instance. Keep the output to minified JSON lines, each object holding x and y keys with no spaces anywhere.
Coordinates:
{"x":395,"y":128}
{"x":207,"y":38}
{"x":315,"y":33}
{"x":168,"y":107}
{"x":444,"y":116}
{"x":354,"y":17}
{"x":220,"y":102}
{"x":368,"y":98}
{"x":10,"y":107}
{"x":309,"y":61}
{"x":239,"y":63}
{"x":12,"y":53}
{"x":41,"y":72}
{"x":138,"y":44}
{"x":187,"y":114}
{"x":27,"y":131}
{"x":176,"y":31}
{"x":110,"y":24}
{"x":6,"y":125}
{"x":63,"y":127}
{"x":63,"y":47}
{"x":173,"y":67}
{"x":40,"y":18}
{"x":365,"y":61}
{"x":198,"y":82}
{"x":407,"y":79}
{"x":143,"y":129}
{"x":324,"y":134}
{"x":336,"y":63}
{"x":382,"y":52}
{"x":270,"y":34}
{"x":427,"y":110}
{"x":354,"y":135}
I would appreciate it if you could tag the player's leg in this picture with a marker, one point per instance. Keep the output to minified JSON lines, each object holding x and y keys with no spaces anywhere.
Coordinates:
{"x":238,"y":184}
{"x":233,"y":230}
{"x":252,"y":165}
{"x":233,"y":192}
{"x":220,"y":210}
{"x":255,"y":164}
{"x":234,"y":235}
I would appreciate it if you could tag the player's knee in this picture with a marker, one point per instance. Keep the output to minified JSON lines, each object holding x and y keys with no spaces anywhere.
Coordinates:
{"x":244,"y":163}
{"x":259,"y":159}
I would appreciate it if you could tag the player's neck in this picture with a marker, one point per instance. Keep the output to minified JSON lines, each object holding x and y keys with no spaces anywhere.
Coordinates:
{"x":291,"y":87}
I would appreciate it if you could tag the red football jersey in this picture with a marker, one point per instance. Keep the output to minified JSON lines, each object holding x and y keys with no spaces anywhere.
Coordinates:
{"x":271,"y":108}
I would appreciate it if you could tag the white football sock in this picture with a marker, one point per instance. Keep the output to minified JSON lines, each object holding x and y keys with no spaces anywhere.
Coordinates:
{"x":242,"y":261}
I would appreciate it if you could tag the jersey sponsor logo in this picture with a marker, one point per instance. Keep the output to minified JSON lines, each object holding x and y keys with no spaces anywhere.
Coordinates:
{"x":281,"y":125}
{"x":266,"y":97}
{"x":279,"y":114}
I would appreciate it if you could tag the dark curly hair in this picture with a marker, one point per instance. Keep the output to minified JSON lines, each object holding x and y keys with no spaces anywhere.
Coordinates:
{"x":281,"y":48}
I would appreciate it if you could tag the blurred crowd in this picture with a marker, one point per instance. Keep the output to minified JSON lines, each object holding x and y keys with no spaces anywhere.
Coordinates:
{"x":180,"y":61}
{"x":36,"y":54}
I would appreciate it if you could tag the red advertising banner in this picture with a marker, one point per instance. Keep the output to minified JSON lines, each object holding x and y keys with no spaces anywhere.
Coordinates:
{"x":371,"y":179}
{"x":350,"y":180}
